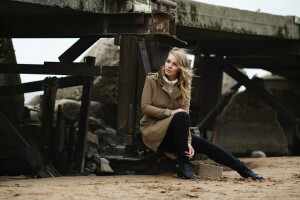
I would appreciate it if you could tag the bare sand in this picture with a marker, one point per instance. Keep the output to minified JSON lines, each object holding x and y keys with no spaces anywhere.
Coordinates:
{"x":281,"y":181}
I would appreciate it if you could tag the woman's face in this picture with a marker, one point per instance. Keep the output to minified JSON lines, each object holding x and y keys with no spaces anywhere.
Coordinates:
{"x":171,"y":68}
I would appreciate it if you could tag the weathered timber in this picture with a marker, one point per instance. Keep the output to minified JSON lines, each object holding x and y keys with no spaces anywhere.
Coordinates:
{"x":286,"y":116}
{"x":54,"y":68}
{"x":211,"y":115}
{"x":77,"y":49}
{"x":265,"y":48}
{"x":83,"y":119}
{"x":71,"y":147}
{"x":32,"y":155}
{"x":265,"y":62}
{"x":38,"y":85}
{"x":47,"y":115}
{"x":153,"y":163}
{"x":111,"y":71}
{"x":126,"y":89}
{"x":211,"y":78}
{"x":59,"y":133}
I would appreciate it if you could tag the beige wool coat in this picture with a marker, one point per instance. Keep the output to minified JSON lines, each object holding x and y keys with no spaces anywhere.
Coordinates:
{"x":157,"y":104}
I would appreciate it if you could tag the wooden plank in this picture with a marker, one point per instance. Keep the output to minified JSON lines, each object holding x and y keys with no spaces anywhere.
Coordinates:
{"x":53,"y":68}
{"x":47,"y":115}
{"x":286,"y":116}
{"x":38,"y":85}
{"x":78,"y":48}
{"x":84,"y":118}
{"x":266,"y":62}
{"x":33,"y":156}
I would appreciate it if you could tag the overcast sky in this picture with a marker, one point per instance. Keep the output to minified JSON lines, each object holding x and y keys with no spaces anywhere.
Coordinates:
{"x":36,"y":51}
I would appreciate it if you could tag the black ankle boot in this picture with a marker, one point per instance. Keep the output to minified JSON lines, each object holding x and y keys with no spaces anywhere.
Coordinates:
{"x":184,"y":170}
{"x":247,"y":172}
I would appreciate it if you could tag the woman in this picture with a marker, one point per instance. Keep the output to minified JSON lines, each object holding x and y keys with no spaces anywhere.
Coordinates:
{"x":165,"y":124}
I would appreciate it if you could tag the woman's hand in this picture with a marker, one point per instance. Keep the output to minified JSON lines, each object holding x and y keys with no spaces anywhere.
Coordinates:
{"x":191,"y":151}
{"x":177,"y":111}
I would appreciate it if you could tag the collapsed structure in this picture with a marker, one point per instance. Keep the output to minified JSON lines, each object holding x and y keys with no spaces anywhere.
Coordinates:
{"x":222,"y":40}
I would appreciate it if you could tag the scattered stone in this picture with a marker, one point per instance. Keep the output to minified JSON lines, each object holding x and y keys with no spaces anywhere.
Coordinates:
{"x":104,"y":166}
{"x":34,"y":101}
{"x":91,"y":152}
{"x":115,"y":151}
{"x":206,"y":170}
{"x":258,"y":154}
{"x":111,"y":142}
{"x":92,"y":139}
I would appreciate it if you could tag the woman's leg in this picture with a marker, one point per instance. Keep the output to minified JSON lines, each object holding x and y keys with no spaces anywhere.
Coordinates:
{"x":222,"y":156}
{"x":175,"y":140}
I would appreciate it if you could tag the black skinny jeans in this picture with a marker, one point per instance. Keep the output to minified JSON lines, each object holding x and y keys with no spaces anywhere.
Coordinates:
{"x":176,"y":141}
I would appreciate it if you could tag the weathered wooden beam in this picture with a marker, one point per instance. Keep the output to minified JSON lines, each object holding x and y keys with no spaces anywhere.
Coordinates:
{"x":251,"y":48}
{"x":50,"y":86}
{"x":38,"y":85}
{"x":32,"y":155}
{"x":78,"y":48}
{"x":287,"y":117}
{"x":111,"y":71}
{"x":83,"y":119}
{"x":265,"y":62}
{"x":54,"y":68}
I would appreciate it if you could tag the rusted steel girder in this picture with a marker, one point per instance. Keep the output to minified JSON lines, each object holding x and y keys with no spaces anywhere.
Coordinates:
{"x":80,"y":24}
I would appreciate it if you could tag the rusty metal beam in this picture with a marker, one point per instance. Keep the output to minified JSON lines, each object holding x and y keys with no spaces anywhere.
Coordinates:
{"x":33,"y":156}
{"x":80,"y":24}
{"x":142,"y":54}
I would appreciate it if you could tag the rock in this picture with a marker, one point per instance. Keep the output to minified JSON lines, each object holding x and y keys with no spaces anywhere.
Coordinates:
{"x":105,"y":52}
{"x":90,"y":167}
{"x":247,"y":124}
{"x":73,"y":93}
{"x":111,"y":142}
{"x":106,"y":133}
{"x":91,"y":152}
{"x":71,"y":109}
{"x":104,"y":166}
{"x":34,"y":101}
{"x":258,"y":154}
{"x":206,"y":170}
{"x":115,"y":151}
{"x":92,"y":139}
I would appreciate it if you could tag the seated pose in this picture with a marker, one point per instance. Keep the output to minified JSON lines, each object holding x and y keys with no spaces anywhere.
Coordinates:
{"x":165,"y":124}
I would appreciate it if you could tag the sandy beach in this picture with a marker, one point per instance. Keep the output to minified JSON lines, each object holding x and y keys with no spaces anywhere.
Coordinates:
{"x":281,"y":181}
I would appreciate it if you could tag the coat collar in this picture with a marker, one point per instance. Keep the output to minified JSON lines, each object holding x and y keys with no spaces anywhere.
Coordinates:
{"x":175,"y":93}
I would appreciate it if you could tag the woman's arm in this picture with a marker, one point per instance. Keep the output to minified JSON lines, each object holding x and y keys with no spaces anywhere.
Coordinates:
{"x":146,"y":104}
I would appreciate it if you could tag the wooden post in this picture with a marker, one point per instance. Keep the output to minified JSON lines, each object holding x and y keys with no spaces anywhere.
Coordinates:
{"x":83,"y":119}
{"x":48,"y":102}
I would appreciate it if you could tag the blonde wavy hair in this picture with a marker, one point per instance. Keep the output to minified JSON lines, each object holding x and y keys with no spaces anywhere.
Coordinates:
{"x":185,"y":74}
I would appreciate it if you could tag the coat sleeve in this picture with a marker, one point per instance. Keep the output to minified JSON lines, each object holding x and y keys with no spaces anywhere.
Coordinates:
{"x":146,"y":103}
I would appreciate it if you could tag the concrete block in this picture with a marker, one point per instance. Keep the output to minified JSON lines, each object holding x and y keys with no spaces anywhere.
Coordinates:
{"x":206,"y":170}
